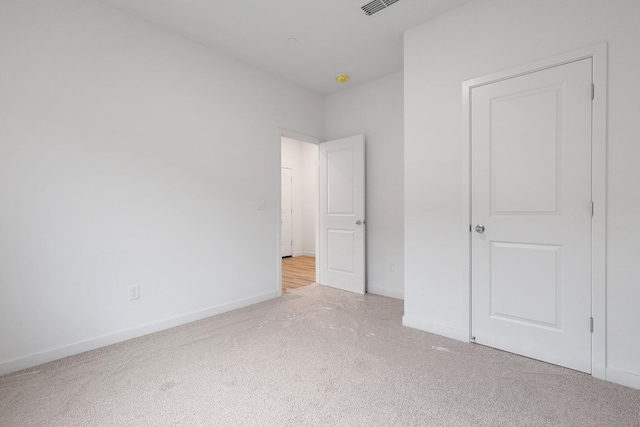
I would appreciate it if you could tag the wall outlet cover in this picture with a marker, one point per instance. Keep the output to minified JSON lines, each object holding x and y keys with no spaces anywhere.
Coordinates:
{"x":134,"y":292}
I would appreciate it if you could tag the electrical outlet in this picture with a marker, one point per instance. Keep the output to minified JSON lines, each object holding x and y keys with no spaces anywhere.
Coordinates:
{"x":392,"y":266}
{"x":134,"y":292}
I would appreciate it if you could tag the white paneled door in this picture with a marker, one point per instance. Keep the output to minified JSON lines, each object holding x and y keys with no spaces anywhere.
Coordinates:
{"x":531,"y":214}
{"x":342,"y":214}
{"x":286,"y":198}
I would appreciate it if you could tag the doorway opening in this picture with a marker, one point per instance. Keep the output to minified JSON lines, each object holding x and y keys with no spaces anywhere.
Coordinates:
{"x":299,"y":219}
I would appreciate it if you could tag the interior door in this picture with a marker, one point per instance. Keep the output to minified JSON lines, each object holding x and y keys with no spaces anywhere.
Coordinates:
{"x":342,"y":214}
{"x":286,"y":196}
{"x":531,"y":214}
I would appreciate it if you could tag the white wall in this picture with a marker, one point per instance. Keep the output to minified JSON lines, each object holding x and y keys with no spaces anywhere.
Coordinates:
{"x":487,"y":36}
{"x":375,"y":109}
{"x":130,"y":156}
{"x":301,"y":157}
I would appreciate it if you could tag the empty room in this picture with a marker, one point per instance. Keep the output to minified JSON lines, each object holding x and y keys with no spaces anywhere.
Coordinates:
{"x":456,"y":180}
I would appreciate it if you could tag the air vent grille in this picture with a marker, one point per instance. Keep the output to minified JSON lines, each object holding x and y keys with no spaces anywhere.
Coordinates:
{"x":376,"y":6}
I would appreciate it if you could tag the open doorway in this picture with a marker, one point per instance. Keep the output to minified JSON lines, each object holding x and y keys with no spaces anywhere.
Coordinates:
{"x":299,"y":187}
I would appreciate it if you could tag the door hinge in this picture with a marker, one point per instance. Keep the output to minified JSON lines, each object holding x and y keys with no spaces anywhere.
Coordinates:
{"x":593,"y":91}
{"x":591,"y":324}
{"x":592,"y":208}
{"x":469,"y":228}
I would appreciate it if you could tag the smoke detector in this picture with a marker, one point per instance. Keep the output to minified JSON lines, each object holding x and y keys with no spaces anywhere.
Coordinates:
{"x":376,"y":6}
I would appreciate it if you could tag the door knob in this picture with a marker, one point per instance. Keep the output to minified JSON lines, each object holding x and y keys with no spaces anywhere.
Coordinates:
{"x":480,"y":228}
{"x":359,"y":222}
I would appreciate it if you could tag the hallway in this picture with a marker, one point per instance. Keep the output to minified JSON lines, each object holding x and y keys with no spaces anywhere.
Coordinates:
{"x":298,"y":272}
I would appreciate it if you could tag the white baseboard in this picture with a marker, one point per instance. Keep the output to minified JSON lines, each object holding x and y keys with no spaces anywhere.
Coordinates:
{"x":622,"y":377}
{"x":456,"y":334}
{"x":312,"y":254}
{"x":297,"y":253}
{"x":116,"y":337}
{"x":385,"y":292}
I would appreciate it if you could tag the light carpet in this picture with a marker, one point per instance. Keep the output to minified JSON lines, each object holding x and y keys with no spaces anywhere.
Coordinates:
{"x":314,"y":357}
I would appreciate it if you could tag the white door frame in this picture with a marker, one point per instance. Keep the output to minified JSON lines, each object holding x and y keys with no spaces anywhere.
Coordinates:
{"x":598,"y":53}
{"x":290,"y":209}
{"x":286,"y":133}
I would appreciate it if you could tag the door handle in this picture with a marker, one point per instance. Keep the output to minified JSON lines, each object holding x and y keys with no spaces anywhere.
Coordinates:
{"x":480,"y":228}
{"x":359,"y":222}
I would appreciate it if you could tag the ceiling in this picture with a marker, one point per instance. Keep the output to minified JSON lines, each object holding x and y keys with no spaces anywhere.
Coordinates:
{"x":333,"y":36}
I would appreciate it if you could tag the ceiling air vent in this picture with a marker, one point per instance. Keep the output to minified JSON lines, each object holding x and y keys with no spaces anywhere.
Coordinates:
{"x":376,"y":6}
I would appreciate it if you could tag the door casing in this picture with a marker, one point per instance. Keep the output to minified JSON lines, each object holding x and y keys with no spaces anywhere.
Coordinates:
{"x":288,"y":226}
{"x":598,"y":187}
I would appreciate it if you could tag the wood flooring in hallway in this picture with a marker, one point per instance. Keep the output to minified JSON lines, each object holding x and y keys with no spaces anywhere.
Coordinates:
{"x":297,"y":272}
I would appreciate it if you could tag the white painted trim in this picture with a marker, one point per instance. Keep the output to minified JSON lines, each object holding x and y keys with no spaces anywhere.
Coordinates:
{"x":299,"y":253}
{"x":311,"y":254}
{"x":317,"y":216}
{"x":385,"y":292}
{"x":434,"y":328}
{"x":465,"y":191}
{"x":565,"y":58}
{"x":279,"y":208}
{"x":109,"y":339}
{"x":286,"y":133}
{"x":622,"y":377}
{"x":598,"y":53}
{"x":599,"y":221}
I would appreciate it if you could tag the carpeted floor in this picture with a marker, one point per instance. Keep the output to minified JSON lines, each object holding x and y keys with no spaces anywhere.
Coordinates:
{"x":314,"y":357}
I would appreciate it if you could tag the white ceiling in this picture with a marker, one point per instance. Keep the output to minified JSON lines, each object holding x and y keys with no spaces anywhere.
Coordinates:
{"x":334,"y":36}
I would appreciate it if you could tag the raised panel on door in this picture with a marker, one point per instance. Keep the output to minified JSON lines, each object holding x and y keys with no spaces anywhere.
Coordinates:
{"x":525,"y":130}
{"x":342,"y":214}
{"x":341,"y":246}
{"x":340,"y":182}
{"x":535,"y":301}
{"x":531,"y":190}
